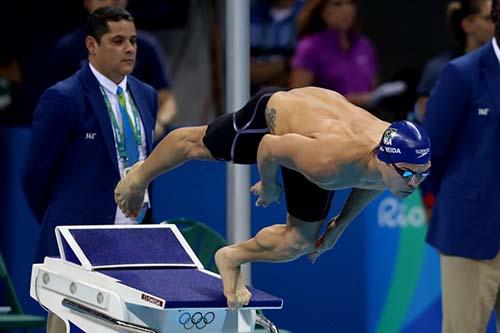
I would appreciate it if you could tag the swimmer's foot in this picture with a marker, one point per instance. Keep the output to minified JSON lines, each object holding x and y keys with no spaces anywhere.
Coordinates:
{"x":236,"y":293}
{"x":243,"y":295}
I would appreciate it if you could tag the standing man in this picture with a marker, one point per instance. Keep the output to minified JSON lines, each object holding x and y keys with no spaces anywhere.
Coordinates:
{"x":321,"y":142}
{"x":462,"y":119}
{"x":70,"y":55}
{"x":87,"y":130}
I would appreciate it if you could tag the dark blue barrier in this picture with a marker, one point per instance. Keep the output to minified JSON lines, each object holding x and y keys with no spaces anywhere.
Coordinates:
{"x":19,"y":230}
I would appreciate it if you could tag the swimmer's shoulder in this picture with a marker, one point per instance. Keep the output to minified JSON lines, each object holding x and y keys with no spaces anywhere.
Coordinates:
{"x":309,"y":92}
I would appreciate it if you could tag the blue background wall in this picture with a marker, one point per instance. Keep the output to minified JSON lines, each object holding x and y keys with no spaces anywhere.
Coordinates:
{"x":381,"y":276}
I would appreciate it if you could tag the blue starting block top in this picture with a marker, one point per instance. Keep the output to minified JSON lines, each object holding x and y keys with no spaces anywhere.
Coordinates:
{"x":152,"y":246}
{"x":155,"y":259}
{"x":125,"y":246}
{"x":186,"y":288}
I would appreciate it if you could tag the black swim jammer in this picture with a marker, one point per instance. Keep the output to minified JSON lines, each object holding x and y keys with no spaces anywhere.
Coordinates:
{"x":236,"y":137}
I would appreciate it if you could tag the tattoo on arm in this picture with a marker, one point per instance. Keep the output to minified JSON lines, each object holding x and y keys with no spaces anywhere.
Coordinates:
{"x":271,"y":118}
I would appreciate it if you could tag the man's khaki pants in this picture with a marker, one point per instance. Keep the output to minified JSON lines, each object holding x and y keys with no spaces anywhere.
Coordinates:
{"x":470,"y":290}
{"x":55,"y":324}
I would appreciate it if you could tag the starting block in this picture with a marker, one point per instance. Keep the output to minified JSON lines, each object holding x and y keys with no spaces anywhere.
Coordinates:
{"x":138,"y":278}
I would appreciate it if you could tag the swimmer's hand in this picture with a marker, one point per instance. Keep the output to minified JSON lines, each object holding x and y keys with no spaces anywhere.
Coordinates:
{"x":329,"y":238}
{"x":266,"y":194}
{"x":130,"y":191}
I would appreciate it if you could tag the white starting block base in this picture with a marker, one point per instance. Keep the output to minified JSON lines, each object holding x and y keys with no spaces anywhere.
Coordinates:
{"x":101,"y":293}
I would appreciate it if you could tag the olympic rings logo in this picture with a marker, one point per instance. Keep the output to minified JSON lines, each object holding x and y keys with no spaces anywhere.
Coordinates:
{"x":197,"y":319}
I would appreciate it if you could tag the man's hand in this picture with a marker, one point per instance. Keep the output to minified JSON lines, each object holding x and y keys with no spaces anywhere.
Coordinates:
{"x":266,"y":194}
{"x":130,"y":191}
{"x":328,"y":240}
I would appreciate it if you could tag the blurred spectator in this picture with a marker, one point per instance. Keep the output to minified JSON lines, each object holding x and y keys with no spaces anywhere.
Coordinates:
{"x":70,"y":54}
{"x":462,"y":123}
{"x":273,"y":39}
{"x":11,"y":80}
{"x":331,"y":53}
{"x":10,"y":76}
{"x":25,"y":53}
{"x":471,"y":27}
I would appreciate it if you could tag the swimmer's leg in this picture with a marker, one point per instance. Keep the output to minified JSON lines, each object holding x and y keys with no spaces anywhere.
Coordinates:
{"x":180,"y":145}
{"x":177,"y":147}
{"x":277,"y":243}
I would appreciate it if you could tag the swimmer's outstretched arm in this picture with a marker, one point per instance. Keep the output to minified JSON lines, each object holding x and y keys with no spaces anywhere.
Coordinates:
{"x":294,"y":151}
{"x":358,"y":199}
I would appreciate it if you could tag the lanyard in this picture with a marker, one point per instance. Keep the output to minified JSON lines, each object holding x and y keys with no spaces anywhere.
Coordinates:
{"x":120,"y":134}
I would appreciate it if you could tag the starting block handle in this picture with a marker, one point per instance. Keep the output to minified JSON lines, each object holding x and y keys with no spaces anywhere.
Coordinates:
{"x":266,"y":324}
{"x":115,"y":323}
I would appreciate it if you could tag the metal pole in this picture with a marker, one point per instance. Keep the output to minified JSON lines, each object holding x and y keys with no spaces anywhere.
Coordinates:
{"x":238,"y":93}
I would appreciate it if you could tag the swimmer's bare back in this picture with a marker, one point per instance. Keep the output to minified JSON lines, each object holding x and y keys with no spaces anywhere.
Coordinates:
{"x":344,"y":133}
{"x":311,"y":110}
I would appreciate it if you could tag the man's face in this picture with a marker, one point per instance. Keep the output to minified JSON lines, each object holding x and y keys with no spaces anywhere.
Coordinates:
{"x":115,"y":54}
{"x":480,"y":26}
{"x":403,"y":178}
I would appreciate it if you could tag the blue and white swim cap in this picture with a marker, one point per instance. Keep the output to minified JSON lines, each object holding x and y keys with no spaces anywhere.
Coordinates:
{"x":404,"y":142}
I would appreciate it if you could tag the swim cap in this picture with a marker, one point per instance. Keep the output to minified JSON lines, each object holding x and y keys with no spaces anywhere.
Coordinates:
{"x":404,"y":142}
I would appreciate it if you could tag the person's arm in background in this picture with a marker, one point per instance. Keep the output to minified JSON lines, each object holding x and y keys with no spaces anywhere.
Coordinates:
{"x":157,"y":77}
{"x":167,"y":111}
{"x":50,"y":134}
{"x":271,"y":72}
{"x":421,"y":107}
{"x":362,"y":98}
{"x":368,"y":98}
{"x":301,"y":78}
{"x":427,"y":82}
{"x":303,"y":65}
{"x":445,"y":109}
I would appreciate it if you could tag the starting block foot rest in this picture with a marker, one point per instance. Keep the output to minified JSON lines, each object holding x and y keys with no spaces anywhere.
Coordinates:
{"x":142,"y":279}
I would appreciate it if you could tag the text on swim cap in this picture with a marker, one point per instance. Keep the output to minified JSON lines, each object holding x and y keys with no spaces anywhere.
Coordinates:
{"x":422,"y":152}
{"x":392,"y":150}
